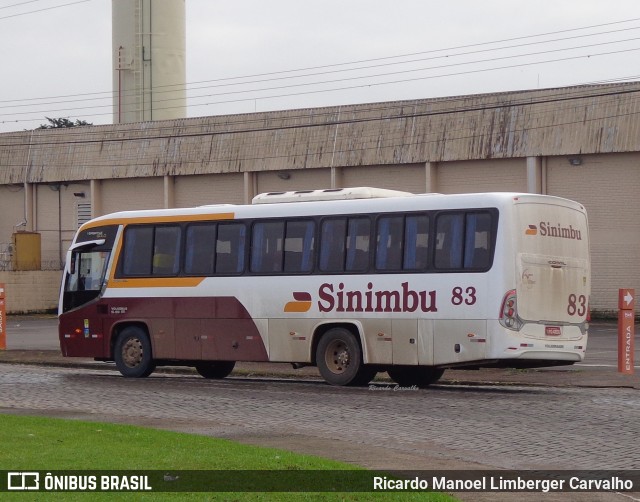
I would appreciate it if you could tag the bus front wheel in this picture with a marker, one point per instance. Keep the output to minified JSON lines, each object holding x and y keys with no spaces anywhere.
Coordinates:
{"x":420,"y":376}
{"x":339,"y":359}
{"x":215,"y":369}
{"x":132,"y":353}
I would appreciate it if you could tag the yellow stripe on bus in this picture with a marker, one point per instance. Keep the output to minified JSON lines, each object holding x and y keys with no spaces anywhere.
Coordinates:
{"x":186,"y":218}
{"x":297,"y":306}
{"x":156,"y":282}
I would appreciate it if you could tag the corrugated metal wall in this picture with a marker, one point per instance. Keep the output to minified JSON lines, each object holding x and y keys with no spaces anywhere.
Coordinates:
{"x":508,"y":175}
{"x":139,"y":193}
{"x":406,"y":177}
{"x":299,"y":179}
{"x":608,"y":186}
{"x":200,"y":190}
{"x":11,"y":214}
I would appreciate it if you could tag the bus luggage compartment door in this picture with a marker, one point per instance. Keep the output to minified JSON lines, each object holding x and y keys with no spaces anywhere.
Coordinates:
{"x":405,"y":341}
{"x":457,"y":341}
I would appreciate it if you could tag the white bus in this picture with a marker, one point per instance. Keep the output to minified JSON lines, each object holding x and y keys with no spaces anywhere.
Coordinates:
{"x":354,"y":281}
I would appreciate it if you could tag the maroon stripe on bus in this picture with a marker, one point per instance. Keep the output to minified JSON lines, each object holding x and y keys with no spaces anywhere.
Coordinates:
{"x":180,"y":328}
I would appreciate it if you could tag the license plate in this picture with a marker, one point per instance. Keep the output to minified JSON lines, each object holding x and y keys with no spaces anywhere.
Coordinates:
{"x":552,"y":330}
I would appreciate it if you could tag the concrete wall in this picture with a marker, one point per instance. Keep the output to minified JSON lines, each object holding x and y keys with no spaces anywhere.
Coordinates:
{"x":31,"y":292}
{"x":608,"y":186}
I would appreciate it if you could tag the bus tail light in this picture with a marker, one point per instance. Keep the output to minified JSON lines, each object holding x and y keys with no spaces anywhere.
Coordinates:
{"x":509,"y":311}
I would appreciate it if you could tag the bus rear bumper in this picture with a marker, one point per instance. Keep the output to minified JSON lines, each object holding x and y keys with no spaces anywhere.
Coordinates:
{"x":532,"y":346}
{"x":538,"y":358}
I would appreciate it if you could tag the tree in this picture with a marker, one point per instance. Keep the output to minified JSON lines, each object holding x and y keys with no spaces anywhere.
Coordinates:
{"x":62,"y":122}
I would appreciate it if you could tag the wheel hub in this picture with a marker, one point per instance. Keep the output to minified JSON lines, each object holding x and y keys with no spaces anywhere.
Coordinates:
{"x":132,"y":352}
{"x":342,"y":358}
{"x":338,"y":357}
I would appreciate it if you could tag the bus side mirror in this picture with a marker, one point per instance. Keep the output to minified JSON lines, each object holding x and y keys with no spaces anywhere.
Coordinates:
{"x":72,"y":264}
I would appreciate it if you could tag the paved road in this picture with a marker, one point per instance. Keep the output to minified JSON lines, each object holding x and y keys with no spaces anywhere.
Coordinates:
{"x":499,"y":427}
{"x":32,"y":333}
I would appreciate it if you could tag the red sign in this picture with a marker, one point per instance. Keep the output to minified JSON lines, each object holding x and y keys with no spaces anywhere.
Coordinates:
{"x":3,"y":320}
{"x":626,"y":330}
{"x":626,"y":299}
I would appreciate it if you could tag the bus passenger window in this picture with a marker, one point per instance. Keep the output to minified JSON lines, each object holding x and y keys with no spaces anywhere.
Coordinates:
{"x":358,"y":236}
{"x":267,"y":247}
{"x":138,"y":250}
{"x":166,"y":254}
{"x":389,"y":243}
{"x":416,"y":242}
{"x":299,"y":246}
{"x":449,"y":241}
{"x":476,"y":249}
{"x":230,"y":247}
{"x":199,"y":251}
{"x":332,"y":245}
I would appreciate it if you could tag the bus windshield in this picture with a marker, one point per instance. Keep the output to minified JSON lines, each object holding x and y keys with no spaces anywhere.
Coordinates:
{"x":85,"y":276}
{"x":87,"y":270}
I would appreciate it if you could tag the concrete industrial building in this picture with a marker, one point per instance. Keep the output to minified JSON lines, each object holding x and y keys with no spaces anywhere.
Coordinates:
{"x":580,"y":142}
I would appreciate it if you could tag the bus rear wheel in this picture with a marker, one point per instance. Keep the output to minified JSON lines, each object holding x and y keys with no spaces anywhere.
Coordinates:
{"x":132,"y":353}
{"x":339,"y":359}
{"x":420,"y":376}
{"x":215,"y":369}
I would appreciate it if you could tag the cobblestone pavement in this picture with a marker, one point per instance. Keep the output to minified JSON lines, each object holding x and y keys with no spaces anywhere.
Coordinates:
{"x":452,"y":426}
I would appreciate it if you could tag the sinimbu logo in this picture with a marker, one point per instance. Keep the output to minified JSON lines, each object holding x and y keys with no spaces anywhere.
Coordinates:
{"x":337,"y":298}
{"x":301,"y":303}
{"x":545,"y":229}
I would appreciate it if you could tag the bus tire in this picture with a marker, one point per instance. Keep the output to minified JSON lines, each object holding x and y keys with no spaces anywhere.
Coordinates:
{"x":420,"y":376}
{"x":339,"y":359}
{"x":215,"y":369}
{"x":132,"y":353}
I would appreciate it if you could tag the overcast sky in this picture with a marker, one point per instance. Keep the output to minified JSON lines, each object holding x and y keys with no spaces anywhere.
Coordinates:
{"x":61,"y":50}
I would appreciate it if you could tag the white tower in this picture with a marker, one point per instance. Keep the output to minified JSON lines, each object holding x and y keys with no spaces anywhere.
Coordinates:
{"x":149,"y":64}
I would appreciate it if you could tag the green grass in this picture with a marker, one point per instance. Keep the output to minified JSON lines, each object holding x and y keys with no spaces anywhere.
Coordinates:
{"x":43,"y":444}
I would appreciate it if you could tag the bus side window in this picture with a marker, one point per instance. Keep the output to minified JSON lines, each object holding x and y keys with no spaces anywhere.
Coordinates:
{"x":230,"y":248}
{"x":299,"y":246}
{"x":477,"y":253}
{"x":166,"y":255}
{"x":416,"y":242}
{"x":389,"y":243}
{"x":449,"y":234}
{"x":267,"y":241}
{"x":359,"y":233}
{"x":332,"y":244}
{"x":340,"y":252}
{"x":199,"y":250}
{"x":138,"y":249}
